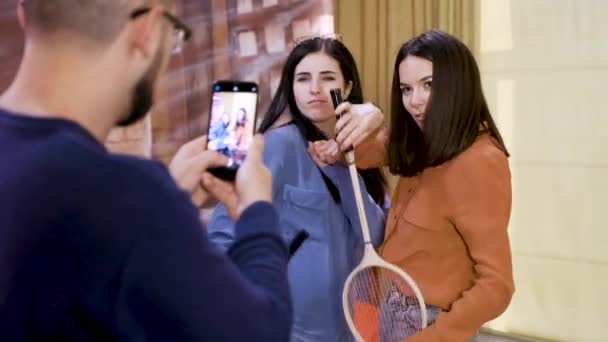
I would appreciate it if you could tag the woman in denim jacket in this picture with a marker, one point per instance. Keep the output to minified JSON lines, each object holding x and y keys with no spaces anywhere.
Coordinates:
{"x":311,"y":196}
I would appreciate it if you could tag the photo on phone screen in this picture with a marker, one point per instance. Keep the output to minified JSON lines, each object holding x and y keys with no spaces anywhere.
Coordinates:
{"x":232,"y":122}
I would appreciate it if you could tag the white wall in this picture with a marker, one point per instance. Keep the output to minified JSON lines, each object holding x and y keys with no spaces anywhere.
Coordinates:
{"x":545,"y":72}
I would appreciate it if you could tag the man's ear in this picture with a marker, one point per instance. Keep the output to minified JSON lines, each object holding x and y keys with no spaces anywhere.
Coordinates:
{"x":21,"y":15}
{"x":143,"y":32}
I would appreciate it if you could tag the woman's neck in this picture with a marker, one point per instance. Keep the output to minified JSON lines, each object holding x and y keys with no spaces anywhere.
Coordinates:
{"x":328,"y":127}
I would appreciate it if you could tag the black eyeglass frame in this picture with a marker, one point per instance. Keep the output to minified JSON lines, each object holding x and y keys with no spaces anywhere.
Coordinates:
{"x":175,"y":21}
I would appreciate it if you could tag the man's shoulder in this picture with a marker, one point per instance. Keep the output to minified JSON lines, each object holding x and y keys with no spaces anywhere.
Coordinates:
{"x":95,"y":174}
{"x":145,"y":180}
{"x":147,"y":170}
{"x":91,"y":164}
{"x":135,"y":194}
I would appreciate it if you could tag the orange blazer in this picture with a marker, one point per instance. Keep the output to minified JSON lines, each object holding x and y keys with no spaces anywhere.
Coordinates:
{"x":447,"y":228}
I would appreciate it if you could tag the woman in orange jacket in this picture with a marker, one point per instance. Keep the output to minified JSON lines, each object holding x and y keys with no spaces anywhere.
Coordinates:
{"x":447,"y":226}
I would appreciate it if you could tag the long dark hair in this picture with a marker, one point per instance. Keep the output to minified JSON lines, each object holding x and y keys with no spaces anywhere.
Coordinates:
{"x":456,"y":113}
{"x":285,"y":99}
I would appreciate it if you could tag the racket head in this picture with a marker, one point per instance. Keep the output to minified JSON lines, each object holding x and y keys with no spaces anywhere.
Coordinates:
{"x":381,"y":299}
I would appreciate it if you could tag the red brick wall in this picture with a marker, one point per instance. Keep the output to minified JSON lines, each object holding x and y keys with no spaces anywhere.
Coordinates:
{"x":183,"y":97}
{"x":215,"y":53}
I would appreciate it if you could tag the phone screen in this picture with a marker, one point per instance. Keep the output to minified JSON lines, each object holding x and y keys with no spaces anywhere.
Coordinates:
{"x":232,"y":119}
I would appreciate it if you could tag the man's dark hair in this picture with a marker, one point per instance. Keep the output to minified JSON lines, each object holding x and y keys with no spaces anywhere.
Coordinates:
{"x":98,"y":20}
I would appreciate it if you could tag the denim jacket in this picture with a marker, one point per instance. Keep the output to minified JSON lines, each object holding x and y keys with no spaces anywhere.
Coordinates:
{"x":318,"y":269}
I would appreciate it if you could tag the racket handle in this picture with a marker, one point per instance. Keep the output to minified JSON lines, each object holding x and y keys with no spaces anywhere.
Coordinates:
{"x":336,"y":98}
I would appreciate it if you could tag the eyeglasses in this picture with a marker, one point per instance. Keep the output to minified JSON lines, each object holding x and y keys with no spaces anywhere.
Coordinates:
{"x":181,"y":31}
{"x":302,"y":39}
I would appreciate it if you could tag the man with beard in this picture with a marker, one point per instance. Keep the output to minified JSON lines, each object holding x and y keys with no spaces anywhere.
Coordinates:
{"x":95,"y":246}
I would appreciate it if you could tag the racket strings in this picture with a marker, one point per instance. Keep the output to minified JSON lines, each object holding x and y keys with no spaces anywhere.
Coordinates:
{"x":382,"y":305}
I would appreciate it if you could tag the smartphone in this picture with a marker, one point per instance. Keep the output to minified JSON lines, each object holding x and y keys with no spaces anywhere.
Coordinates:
{"x":232,"y":123}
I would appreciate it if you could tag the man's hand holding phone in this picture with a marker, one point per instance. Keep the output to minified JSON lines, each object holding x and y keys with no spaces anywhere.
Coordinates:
{"x":253,"y":182}
{"x":189,"y":163}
